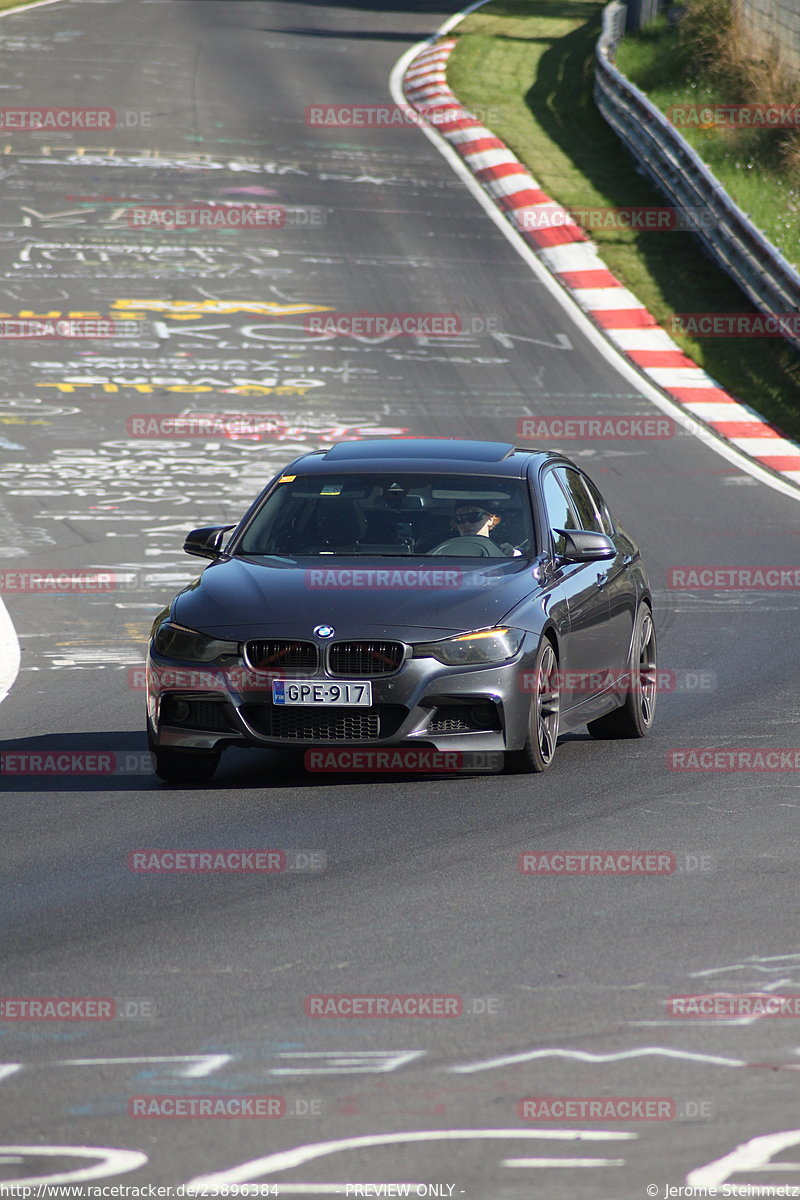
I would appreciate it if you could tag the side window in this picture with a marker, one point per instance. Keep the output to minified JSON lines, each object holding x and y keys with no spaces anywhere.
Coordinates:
{"x":609,"y":524}
{"x":582,"y":501}
{"x":560,"y":512}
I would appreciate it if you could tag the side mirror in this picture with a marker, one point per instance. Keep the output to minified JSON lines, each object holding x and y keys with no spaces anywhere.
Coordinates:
{"x":583,"y":546}
{"x":206,"y":542}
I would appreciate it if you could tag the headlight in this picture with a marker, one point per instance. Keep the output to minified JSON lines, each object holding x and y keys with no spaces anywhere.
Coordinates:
{"x":472,"y":649}
{"x":176,"y":641}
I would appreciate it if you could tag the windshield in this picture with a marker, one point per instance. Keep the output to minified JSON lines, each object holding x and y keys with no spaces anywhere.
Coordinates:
{"x":456,"y":516}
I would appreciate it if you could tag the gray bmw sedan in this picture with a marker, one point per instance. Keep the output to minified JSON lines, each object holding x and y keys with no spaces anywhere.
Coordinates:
{"x":460,"y":596}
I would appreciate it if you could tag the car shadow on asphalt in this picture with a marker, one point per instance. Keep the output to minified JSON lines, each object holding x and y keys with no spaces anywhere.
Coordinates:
{"x":118,"y":761}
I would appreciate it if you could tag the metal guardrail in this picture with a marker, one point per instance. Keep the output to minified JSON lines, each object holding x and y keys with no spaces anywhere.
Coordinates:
{"x":770,"y":282}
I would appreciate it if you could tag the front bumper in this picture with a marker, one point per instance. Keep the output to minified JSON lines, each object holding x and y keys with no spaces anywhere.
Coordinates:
{"x":424,"y":702}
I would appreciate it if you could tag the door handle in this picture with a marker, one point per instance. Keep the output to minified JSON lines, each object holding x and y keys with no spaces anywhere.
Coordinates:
{"x":602,"y":578}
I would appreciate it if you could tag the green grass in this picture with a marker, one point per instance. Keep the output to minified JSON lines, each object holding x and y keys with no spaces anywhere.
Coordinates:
{"x":747,"y":162}
{"x":532,"y":63}
{"x":14,"y":3}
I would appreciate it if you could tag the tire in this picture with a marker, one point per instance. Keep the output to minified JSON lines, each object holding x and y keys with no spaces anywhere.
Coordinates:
{"x":635,"y":718}
{"x":542,"y":736}
{"x":183,"y":766}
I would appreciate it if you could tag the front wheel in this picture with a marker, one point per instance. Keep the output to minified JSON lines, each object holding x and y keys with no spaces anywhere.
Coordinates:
{"x":540,"y":744}
{"x":635,"y":718}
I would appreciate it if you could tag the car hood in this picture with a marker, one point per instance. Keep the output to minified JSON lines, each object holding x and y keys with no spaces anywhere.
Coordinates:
{"x":405,"y":598}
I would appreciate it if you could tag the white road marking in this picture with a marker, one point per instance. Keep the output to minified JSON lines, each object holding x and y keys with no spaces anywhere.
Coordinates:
{"x":754,"y":1155}
{"x":284,"y":1160}
{"x":586,"y":1056}
{"x":562,"y":1162}
{"x":752,"y":964}
{"x":9,"y":652}
{"x":113,"y":1162}
{"x":7,"y":1069}
{"x":204,"y":1064}
{"x":358,"y":1062}
{"x":716,"y":1022}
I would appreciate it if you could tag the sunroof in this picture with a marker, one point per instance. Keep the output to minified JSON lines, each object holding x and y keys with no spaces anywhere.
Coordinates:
{"x":416,"y":449}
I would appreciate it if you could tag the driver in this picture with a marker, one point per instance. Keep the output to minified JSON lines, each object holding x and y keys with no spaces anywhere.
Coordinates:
{"x":470,"y":519}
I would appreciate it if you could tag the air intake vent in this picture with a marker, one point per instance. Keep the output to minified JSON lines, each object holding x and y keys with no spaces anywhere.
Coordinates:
{"x":300,"y":724}
{"x":312,"y":725}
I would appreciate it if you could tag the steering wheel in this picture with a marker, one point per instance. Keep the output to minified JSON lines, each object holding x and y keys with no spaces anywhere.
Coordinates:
{"x":471,"y":546}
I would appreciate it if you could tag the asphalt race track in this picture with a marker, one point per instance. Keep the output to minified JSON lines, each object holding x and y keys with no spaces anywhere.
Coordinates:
{"x":400,"y":885}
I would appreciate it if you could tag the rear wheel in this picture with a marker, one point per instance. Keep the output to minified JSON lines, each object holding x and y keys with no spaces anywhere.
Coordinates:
{"x":182,"y":766}
{"x":635,"y":718}
{"x":540,"y":744}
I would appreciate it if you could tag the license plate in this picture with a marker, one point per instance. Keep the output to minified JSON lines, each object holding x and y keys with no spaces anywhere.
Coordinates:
{"x":320,"y":694}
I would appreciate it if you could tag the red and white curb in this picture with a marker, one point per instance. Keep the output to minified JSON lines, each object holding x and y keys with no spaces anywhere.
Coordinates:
{"x":572,"y":258}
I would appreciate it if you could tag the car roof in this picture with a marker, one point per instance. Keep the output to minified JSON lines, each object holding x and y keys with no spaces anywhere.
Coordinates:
{"x":422,"y":455}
